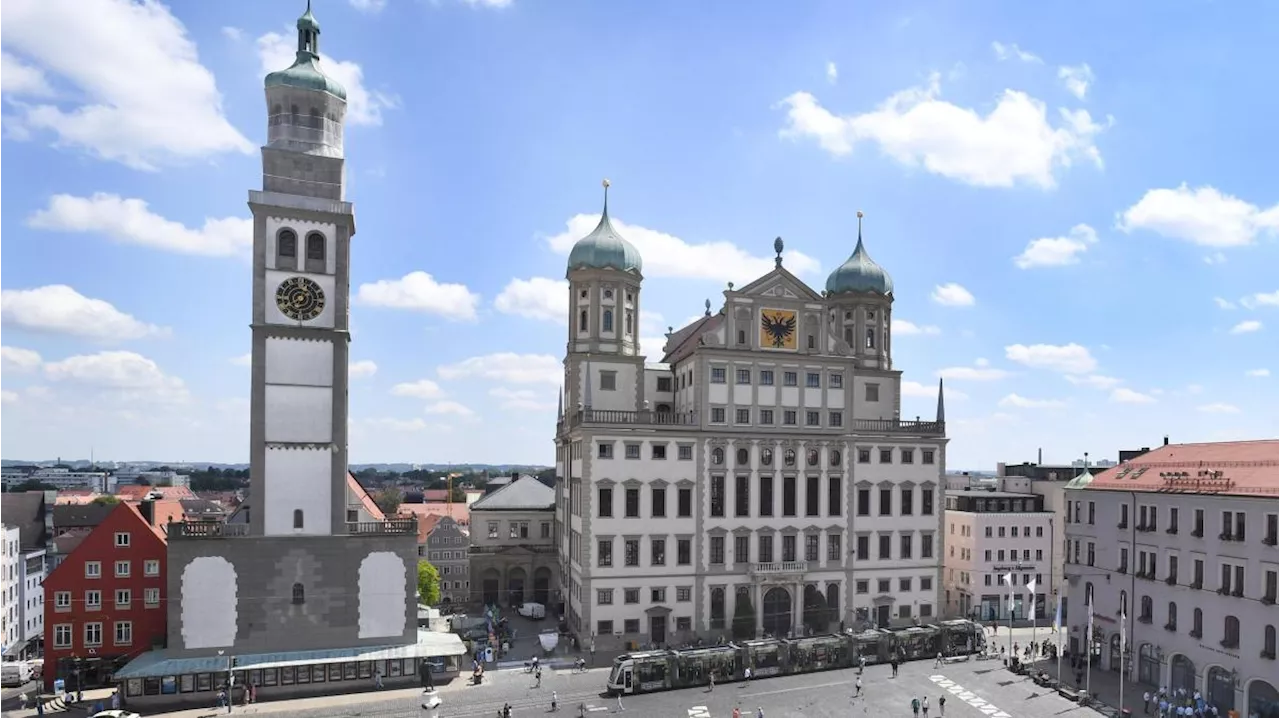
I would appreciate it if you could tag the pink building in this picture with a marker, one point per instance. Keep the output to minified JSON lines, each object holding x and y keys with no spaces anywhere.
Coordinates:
{"x":989,"y":535}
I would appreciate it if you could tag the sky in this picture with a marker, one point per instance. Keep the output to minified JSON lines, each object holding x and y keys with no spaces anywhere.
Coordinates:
{"x":1076,"y":202}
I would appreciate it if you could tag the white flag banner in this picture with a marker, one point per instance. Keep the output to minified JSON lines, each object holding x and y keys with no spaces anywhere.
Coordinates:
{"x":1007,"y":579}
{"x":1031,"y":588}
{"x":1088,"y":641}
{"x":1122,"y":636}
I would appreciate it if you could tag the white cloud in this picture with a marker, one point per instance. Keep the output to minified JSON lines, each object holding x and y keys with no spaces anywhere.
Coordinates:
{"x":1247,"y":326}
{"x":8,"y":397}
{"x":902,"y":327}
{"x":362,"y":368}
{"x":130,"y":373}
{"x":130,"y":221}
{"x":1057,"y":251}
{"x":666,"y":255}
{"x":1258,"y":372}
{"x":1077,"y":79}
{"x":1129,"y":396}
{"x":420,"y":292}
{"x":536,"y":298}
{"x":652,"y":347}
{"x":833,"y":73}
{"x":141,"y":96}
{"x":1014,"y":143}
{"x":369,"y":6}
{"x":19,"y":360}
{"x":952,"y":295}
{"x":1067,"y":358}
{"x":243,"y":360}
{"x":920,"y":391}
{"x":1096,"y":381}
{"x":1224,"y":303}
{"x":1215,"y":258}
{"x":364,"y":106}
{"x":1203,"y":216}
{"x":1219,"y":408}
{"x":1260,"y":299}
{"x":59,"y":309}
{"x":232,"y":33}
{"x":420,"y":389}
{"x":972,"y":373}
{"x":1013,"y":52}
{"x":20,"y":78}
{"x":451,"y":408}
{"x":1021,"y":402}
{"x":492,"y":4}
{"x":522,"y":399}
{"x":507,"y":367}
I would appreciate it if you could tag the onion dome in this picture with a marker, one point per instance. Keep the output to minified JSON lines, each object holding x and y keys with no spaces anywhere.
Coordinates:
{"x":604,"y":248}
{"x":860,"y":273}
{"x":305,"y":73}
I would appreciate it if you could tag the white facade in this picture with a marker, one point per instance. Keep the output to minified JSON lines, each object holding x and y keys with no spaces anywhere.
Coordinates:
{"x":988,"y":536}
{"x":34,"y":565}
{"x":744,"y":471}
{"x":11,"y":591}
{"x":60,"y":479}
{"x":1195,"y":573}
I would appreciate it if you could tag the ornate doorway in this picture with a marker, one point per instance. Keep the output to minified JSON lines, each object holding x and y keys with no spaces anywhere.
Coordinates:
{"x":777,"y":612}
{"x":1221,"y":689}
{"x":1182,"y":674}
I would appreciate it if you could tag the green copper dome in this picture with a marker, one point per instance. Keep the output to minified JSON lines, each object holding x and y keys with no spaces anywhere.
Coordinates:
{"x":1081,"y":481}
{"x":860,"y":273}
{"x":604,"y":248}
{"x":304,"y":73}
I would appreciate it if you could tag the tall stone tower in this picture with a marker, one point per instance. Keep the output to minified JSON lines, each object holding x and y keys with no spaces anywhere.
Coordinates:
{"x":302,"y":233}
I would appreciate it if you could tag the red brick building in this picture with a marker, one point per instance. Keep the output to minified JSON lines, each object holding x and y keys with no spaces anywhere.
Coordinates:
{"x":105,"y":603}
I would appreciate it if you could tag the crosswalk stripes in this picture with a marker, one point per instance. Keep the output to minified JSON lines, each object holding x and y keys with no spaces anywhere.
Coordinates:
{"x":699,"y":712}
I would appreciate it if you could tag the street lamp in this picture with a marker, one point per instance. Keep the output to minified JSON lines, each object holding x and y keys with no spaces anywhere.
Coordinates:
{"x":230,"y":680}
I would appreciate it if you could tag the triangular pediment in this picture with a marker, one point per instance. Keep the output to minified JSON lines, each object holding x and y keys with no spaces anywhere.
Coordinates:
{"x":782,"y":284}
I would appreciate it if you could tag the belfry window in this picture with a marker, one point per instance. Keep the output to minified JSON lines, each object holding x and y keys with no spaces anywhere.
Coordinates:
{"x":286,"y":246}
{"x":299,"y":596}
{"x":297,"y":519}
{"x":582,"y":321}
{"x":871,"y":338}
{"x":607,"y":322}
{"x":628,"y":324}
{"x":315,"y":252}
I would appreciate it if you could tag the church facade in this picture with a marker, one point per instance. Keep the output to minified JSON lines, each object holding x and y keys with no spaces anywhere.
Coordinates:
{"x":760,"y":479}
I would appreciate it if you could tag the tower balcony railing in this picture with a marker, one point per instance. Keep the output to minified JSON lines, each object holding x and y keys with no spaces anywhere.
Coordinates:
{"x":774,"y":568}
{"x":645,"y":417}
{"x":205,"y":529}
{"x":306,"y":129}
{"x":386,"y":526}
{"x":899,"y":426}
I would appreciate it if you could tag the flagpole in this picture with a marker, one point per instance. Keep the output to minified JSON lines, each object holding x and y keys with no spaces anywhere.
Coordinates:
{"x":1009,"y":580}
{"x":1088,"y":655}
{"x":1031,"y":587}
{"x":1057,"y":626}
{"x":1122,"y":646}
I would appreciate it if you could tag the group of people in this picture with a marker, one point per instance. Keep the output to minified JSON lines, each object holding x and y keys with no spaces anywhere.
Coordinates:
{"x":1177,"y":704}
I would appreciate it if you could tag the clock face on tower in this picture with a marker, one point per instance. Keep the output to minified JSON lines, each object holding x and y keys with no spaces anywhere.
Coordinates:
{"x":300,"y":298}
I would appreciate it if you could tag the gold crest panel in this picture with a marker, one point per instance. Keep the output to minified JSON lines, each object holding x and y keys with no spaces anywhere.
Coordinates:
{"x":778,"y":329}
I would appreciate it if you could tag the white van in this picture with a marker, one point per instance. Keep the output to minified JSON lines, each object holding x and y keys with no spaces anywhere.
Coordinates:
{"x":15,"y":673}
{"x":536,"y":611}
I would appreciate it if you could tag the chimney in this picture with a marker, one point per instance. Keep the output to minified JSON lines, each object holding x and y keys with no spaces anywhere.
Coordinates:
{"x":147,"y":507}
{"x":1039,"y":456}
{"x":515,"y":475}
{"x":1166,"y":439}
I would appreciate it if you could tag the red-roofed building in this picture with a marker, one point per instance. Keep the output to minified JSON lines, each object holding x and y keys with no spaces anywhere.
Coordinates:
{"x":459,"y":512}
{"x":105,"y":603}
{"x":1175,"y":550}
{"x":134,"y":492}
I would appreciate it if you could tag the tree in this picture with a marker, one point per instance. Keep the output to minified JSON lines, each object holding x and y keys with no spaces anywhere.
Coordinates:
{"x":428,"y":584}
{"x":33,"y":485}
{"x":105,"y":500}
{"x":389,"y":500}
{"x":744,"y":617}
{"x":458,"y":496}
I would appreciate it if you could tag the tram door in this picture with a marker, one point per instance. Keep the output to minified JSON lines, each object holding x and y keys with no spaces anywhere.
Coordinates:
{"x":626,"y":681}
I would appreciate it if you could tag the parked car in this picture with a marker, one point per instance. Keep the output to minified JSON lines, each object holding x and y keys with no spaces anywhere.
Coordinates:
{"x":15,"y":673}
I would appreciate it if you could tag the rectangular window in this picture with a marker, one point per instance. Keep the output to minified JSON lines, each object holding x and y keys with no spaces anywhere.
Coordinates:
{"x":742,"y":496}
{"x":788,"y":496}
{"x":124,"y":597}
{"x":789,"y":417}
{"x":608,"y":380}
{"x":833,"y":496}
{"x":906,"y":496}
{"x":632,"y":503}
{"x":836,"y":380}
{"x":743,"y":376}
{"x":766,"y":377}
{"x":872,"y":392}
{"x":765,"y":550}
{"x":62,"y":600}
{"x":864,"y":502}
{"x":684,"y":452}
{"x":742,"y":549}
{"x":926,"y":456}
{"x":658,"y":496}
{"x":657,"y":552}
{"x":151,"y":597}
{"x":122,"y":539}
{"x":908,"y":456}
{"x":789,"y":548}
{"x":604,"y":502}
{"x":790,"y":378}
{"x":493,"y":529}
{"x":657,"y":595}
{"x":684,"y":552}
{"x":717,"y":496}
{"x":93,"y":569}
{"x":631,"y":595}
{"x":717,"y":415}
{"x":151,"y":567}
{"x":742,"y":416}
{"x":604,"y":450}
{"x":124,"y":633}
{"x":631,"y":625}
{"x":766,"y":495}
{"x":684,"y":594}
{"x":717,"y":550}
{"x":905,"y":548}
{"x":604,"y":552}
{"x":631,"y":451}
{"x":886,"y":456}
{"x":604,"y":597}
{"x":717,"y":375}
{"x":658,"y":452}
{"x":886,"y":502}
{"x":684,"y":503}
{"x":835,"y":418}
{"x":812,"y":496}
{"x":813,"y":380}
{"x":93,"y":600}
{"x":863,"y":552}
{"x":93,"y":634}
{"x":766,"y":417}
{"x":664,"y":383}
{"x":886,"y":546}
{"x":926,"y":545}
{"x":926,"y":502}
{"x":833,"y":547}
{"x":811,"y":547}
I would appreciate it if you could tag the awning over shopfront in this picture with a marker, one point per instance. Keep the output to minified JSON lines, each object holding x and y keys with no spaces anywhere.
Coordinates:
{"x":161,"y":663}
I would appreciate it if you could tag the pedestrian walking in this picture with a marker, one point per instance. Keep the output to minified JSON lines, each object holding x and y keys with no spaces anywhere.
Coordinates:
{"x":915,"y":707}
{"x":759,"y":712}
{"x":937,"y":662}
{"x":862,"y":664}
{"x":1146,"y":702}
{"x":555,"y":703}
{"x":857,"y":687}
{"x":620,"y":706}
{"x":537,"y":676}
{"x":377,"y":679}
{"x":942,"y":705}
{"x":746,"y":674}
{"x":924,"y":706}
{"x":737,"y":713}
{"x":711,"y":686}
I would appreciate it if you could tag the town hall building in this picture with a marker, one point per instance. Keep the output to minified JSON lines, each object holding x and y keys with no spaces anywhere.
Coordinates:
{"x":760,"y":480}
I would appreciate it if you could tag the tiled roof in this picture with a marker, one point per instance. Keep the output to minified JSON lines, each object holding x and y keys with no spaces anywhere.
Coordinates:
{"x":426,"y":524}
{"x":683,"y":342}
{"x":524,"y":494}
{"x":26,"y":510}
{"x":1231,"y":468}
{"x":80,"y":514}
{"x":364,"y":498}
{"x":459,"y":512}
{"x":134,"y":492}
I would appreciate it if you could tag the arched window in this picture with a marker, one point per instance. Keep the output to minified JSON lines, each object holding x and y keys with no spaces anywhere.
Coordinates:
{"x":297,"y":519}
{"x":315,"y":246}
{"x":871,"y":338}
{"x":717,"y":456}
{"x":299,"y":594}
{"x":1230,"y":632}
{"x":744,"y":457}
{"x":1197,"y":623}
{"x":848,"y":336}
{"x":628,"y":324}
{"x":766,"y":457}
{"x":582,"y":321}
{"x":286,"y":245}
{"x":1269,"y":642}
{"x":717,"y":607}
{"x":835,"y":458}
{"x":1124,"y":603}
{"x":789,"y":457}
{"x":812,"y":457}
{"x":1088,"y":594}
{"x":607,"y":323}
{"x":1172,"y":624}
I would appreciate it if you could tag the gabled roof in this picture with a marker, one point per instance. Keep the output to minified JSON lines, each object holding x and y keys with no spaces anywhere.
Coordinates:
{"x":134,"y":492}
{"x":362,"y":496}
{"x":1225,"y":468}
{"x":71,"y":515}
{"x":26,"y":510}
{"x":682,"y":343}
{"x":780,"y":276}
{"x":128,"y":513}
{"x":426,"y":524}
{"x":523,"y":494}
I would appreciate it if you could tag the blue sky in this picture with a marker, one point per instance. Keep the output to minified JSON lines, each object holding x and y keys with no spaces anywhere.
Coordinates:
{"x":1077,"y":203}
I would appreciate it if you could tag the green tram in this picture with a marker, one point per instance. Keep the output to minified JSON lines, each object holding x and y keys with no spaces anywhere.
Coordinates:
{"x":648,"y":671}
